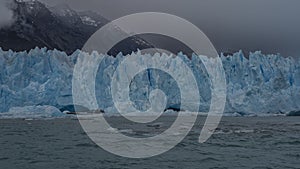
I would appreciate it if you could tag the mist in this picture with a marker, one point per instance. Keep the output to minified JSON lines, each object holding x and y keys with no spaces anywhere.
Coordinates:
{"x":6,"y":13}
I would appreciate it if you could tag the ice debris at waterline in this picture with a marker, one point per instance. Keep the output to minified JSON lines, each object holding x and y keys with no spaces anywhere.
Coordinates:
{"x":32,"y":112}
{"x":260,"y":84}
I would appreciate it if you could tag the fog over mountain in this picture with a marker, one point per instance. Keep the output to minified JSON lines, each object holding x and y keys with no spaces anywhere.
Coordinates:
{"x":6,"y":14}
{"x":271,"y":26}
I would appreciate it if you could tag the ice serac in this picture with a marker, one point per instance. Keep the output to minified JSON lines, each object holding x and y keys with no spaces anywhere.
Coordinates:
{"x":260,"y":84}
{"x":39,"y":77}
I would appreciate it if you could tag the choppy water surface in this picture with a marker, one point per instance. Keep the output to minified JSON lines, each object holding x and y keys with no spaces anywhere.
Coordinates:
{"x":239,"y":142}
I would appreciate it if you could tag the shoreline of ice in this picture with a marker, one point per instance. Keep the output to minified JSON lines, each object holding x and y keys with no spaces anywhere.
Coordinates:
{"x":52,"y":113}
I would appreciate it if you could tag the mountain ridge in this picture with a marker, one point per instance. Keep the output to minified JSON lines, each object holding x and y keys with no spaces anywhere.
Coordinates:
{"x":59,"y":27}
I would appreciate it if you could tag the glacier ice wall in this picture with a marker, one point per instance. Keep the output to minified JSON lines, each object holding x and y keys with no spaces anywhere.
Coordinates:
{"x":259,"y":84}
{"x":262,"y":84}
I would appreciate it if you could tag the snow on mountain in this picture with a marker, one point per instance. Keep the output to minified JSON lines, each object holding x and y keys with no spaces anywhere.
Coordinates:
{"x":88,"y":20}
{"x":63,"y":10}
{"x":261,"y":84}
{"x":36,"y":25}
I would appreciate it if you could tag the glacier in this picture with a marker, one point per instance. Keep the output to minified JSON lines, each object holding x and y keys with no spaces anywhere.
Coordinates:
{"x":257,"y":85}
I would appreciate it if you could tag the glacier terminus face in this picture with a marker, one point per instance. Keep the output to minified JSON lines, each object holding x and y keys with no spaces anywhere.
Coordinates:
{"x":258,"y":85}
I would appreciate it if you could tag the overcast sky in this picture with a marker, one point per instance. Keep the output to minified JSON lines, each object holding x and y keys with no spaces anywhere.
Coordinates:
{"x":272,"y":26}
{"x":6,"y":15}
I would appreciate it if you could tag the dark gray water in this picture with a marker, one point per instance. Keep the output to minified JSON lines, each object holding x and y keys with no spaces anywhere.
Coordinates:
{"x":239,"y":142}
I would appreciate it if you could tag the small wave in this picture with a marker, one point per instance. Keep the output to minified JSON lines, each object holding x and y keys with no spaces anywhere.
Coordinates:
{"x":86,"y":145}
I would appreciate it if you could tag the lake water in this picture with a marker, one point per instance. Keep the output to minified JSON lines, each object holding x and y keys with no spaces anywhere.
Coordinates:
{"x":239,"y":142}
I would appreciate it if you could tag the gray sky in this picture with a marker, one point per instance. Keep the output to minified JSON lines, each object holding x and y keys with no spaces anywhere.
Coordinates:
{"x":6,"y":15}
{"x":272,"y":26}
